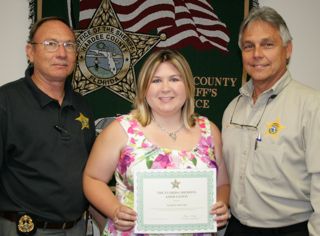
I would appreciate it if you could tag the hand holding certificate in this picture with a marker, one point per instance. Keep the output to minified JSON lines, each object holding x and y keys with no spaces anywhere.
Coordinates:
{"x":175,"y":201}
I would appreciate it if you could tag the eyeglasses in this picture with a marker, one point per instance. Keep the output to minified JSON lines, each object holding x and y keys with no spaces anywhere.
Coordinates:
{"x":251,"y":127}
{"x":53,"y":45}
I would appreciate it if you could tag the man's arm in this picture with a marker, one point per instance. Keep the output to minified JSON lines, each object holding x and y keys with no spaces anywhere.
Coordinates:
{"x":314,"y":220}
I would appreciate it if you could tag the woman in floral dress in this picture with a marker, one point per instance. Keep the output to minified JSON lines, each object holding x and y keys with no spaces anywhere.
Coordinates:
{"x":161,"y":132}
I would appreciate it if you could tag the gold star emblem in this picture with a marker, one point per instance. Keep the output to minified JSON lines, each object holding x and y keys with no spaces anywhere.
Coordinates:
{"x":274,"y":128}
{"x":107,"y":54}
{"x":175,"y":184}
{"x":83,"y":120}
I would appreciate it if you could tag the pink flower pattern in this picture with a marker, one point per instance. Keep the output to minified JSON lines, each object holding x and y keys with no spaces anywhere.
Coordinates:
{"x":140,"y":153}
{"x":161,"y":162}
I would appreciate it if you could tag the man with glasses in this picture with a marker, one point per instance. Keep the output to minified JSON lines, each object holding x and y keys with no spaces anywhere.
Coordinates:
{"x":46,"y":133}
{"x":271,"y":138}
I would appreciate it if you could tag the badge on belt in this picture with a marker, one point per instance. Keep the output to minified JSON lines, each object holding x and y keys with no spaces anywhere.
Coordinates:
{"x":26,"y":225}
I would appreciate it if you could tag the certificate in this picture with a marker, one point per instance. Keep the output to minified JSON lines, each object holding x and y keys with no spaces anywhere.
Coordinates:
{"x":174,"y":200}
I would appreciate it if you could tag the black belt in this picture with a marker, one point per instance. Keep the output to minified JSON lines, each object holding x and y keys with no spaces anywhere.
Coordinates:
{"x":17,"y":216}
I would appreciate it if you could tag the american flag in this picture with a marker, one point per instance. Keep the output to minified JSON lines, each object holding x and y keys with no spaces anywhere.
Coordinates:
{"x":184,"y":22}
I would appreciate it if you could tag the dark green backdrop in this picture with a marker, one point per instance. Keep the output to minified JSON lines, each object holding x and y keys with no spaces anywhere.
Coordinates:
{"x":213,"y":68}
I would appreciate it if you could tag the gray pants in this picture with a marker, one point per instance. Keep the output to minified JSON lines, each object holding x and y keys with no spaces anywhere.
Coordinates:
{"x":8,"y":228}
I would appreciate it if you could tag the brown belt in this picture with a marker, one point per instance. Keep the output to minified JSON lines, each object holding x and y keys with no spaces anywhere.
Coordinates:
{"x":14,"y":216}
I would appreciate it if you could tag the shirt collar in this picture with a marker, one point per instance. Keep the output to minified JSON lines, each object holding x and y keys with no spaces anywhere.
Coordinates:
{"x":42,"y":98}
{"x":247,"y":89}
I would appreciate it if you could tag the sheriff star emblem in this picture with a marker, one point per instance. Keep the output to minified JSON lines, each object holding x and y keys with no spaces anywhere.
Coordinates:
{"x":274,"y":128}
{"x":83,"y":120}
{"x":107,"y":54}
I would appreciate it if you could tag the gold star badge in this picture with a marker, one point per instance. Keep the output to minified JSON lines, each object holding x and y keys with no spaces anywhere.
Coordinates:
{"x":274,"y":128}
{"x":83,"y":120}
{"x":175,"y":184}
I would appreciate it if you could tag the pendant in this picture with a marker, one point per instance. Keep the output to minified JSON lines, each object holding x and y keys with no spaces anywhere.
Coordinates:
{"x":173,"y":136}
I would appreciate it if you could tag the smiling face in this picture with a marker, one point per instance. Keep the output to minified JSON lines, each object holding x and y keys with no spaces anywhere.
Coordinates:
{"x":166,"y":93}
{"x":263,"y":54}
{"x":52,"y":66}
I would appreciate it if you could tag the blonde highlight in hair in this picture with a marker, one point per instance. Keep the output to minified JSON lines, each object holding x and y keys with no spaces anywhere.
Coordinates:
{"x":142,"y":111}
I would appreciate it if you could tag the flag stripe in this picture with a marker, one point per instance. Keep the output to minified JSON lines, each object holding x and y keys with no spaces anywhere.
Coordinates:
{"x":183,"y":21}
{"x":152,"y":14}
{"x":176,"y":34}
{"x":146,"y":24}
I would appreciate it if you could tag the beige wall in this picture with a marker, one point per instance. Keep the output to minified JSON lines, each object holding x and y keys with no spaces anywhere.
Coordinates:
{"x":14,"y":25}
{"x":303,"y":19}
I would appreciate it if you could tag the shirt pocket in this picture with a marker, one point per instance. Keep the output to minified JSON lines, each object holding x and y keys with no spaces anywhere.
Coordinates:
{"x":267,"y":163}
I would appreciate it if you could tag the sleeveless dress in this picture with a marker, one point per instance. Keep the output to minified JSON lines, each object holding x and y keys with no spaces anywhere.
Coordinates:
{"x":140,"y":153}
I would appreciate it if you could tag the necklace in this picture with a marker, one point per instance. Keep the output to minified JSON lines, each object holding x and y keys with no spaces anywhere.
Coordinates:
{"x":172,"y":134}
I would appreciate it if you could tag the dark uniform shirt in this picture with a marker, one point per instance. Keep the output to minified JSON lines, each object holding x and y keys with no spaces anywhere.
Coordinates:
{"x":43,"y":151}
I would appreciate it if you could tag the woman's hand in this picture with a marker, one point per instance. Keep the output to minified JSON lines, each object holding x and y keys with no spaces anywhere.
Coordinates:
{"x":220,"y":209}
{"x":124,"y":218}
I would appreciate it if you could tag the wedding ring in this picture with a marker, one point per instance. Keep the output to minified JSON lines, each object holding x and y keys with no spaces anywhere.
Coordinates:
{"x":116,"y":220}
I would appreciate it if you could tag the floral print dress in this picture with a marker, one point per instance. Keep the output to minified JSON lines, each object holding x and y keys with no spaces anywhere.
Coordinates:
{"x":140,"y":153}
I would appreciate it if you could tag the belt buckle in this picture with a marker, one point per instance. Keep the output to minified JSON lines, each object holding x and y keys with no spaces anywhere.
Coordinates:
{"x":25,"y":224}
